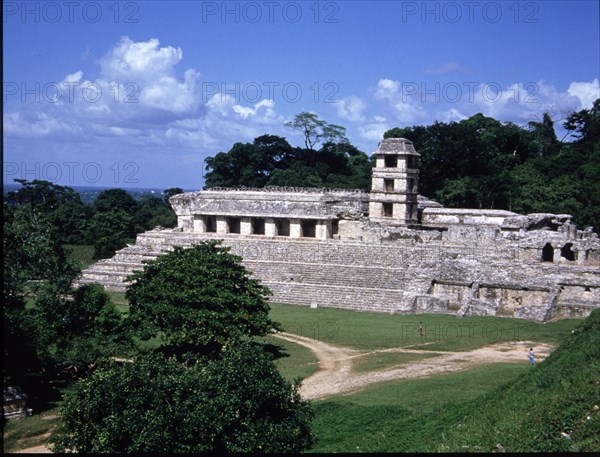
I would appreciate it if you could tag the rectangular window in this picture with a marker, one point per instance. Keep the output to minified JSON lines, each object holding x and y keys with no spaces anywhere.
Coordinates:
{"x":309,"y":228}
{"x":335,"y":227}
{"x":283,"y":227}
{"x":211,"y":224}
{"x":233,"y":224}
{"x":391,"y":161}
{"x":388,"y":209}
{"x":388,"y":185}
{"x":258,"y":226}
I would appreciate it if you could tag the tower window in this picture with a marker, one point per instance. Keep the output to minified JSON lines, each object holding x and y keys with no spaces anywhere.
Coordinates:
{"x":391,"y":161}
{"x":388,"y":185}
{"x":388,"y":209}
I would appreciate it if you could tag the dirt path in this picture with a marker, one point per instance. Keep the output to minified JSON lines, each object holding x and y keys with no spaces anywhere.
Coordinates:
{"x":336,"y":376}
{"x":34,"y":450}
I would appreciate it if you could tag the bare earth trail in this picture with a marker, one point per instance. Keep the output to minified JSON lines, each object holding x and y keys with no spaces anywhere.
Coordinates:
{"x":335,"y":375}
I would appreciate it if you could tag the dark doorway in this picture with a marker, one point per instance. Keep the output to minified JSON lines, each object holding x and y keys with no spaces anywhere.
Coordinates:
{"x":567,"y":252}
{"x":548,"y":253}
{"x":283,"y":227}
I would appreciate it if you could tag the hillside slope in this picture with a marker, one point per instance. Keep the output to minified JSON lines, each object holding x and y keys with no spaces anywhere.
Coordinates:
{"x":554,"y":407}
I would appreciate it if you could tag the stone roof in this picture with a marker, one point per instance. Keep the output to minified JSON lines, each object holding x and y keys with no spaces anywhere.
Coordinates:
{"x":395,"y":146}
{"x":288,"y":202}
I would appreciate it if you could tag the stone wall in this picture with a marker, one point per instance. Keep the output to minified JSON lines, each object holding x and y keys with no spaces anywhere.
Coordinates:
{"x":484,"y":276}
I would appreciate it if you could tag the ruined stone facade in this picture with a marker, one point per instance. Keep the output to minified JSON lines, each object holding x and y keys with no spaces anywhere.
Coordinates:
{"x":390,"y":250}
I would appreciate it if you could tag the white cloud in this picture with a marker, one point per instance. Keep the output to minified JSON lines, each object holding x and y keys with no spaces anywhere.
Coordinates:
{"x":351,"y":109}
{"x":387,"y":89}
{"x":139,"y":61}
{"x":373,"y":131}
{"x":401,"y":105}
{"x":587,"y":93}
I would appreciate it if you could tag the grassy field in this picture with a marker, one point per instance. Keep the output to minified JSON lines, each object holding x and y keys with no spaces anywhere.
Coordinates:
{"x":375,"y":419}
{"x":552,"y":406}
{"x":452,"y":412}
{"x":370,"y":331}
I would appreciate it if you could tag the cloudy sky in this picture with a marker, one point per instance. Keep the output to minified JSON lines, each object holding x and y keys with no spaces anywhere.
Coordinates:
{"x":138,"y":94}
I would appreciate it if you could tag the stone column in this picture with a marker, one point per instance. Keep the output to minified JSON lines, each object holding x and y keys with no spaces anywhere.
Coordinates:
{"x":295,"y":228}
{"x":270,"y":228}
{"x":186,"y":223}
{"x":245,"y":226}
{"x":323,"y":230}
{"x":221,"y":225}
{"x":199,"y":224}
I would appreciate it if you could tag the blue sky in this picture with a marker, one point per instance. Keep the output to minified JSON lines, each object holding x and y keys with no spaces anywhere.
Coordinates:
{"x":138,"y":94}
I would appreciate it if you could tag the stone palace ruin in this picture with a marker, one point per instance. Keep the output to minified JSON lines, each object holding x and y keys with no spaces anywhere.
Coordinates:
{"x":389,"y":250}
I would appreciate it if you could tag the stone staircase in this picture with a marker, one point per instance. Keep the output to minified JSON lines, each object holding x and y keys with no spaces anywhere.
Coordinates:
{"x":305,"y":272}
{"x":382,"y":277}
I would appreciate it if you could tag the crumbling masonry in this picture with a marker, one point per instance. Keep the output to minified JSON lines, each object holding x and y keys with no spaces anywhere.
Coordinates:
{"x":390,"y":250}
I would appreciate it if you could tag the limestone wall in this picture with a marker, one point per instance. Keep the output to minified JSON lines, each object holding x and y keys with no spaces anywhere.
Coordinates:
{"x":399,"y":276}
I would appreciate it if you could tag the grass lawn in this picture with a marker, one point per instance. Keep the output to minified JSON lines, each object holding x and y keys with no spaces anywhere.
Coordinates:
{"x":370,"y":331}
{"x":373,"y":419}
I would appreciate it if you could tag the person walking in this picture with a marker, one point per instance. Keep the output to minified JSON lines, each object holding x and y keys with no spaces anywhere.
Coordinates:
{"x":531,"y":356}
{"x":421,"y":331}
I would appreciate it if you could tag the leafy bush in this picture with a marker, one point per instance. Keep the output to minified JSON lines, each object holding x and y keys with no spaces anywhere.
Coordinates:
{"x":236,"y":403}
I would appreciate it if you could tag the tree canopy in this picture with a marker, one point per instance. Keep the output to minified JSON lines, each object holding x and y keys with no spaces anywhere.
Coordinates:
{"x":200,"y":299}
{"x":271,"y":161}
{"x":480,"y":162}
{"x":236,"y":403}
{"x":210,"y":387}
{"x":317,"y":130}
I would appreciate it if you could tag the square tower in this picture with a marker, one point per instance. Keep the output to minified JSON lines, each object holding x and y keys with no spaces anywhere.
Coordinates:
{"x":395,"y":183}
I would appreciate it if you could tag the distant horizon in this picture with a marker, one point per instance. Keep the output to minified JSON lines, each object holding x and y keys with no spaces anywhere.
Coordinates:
{"x":77,"y":186}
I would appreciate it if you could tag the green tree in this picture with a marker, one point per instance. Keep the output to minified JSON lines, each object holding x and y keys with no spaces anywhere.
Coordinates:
{"x":115,"y":199}
{"x":33,"y":262}
{"x":248,"y":164}
{"x":61,"y":205}
{"x":109,"y":231}
{"x":468,"y":160}
{"x":316,"y":130}
{"x":271,"y":161}
{"x":199,"y":299}
{"x":236,"y":403}
{"x":75,"y":333}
